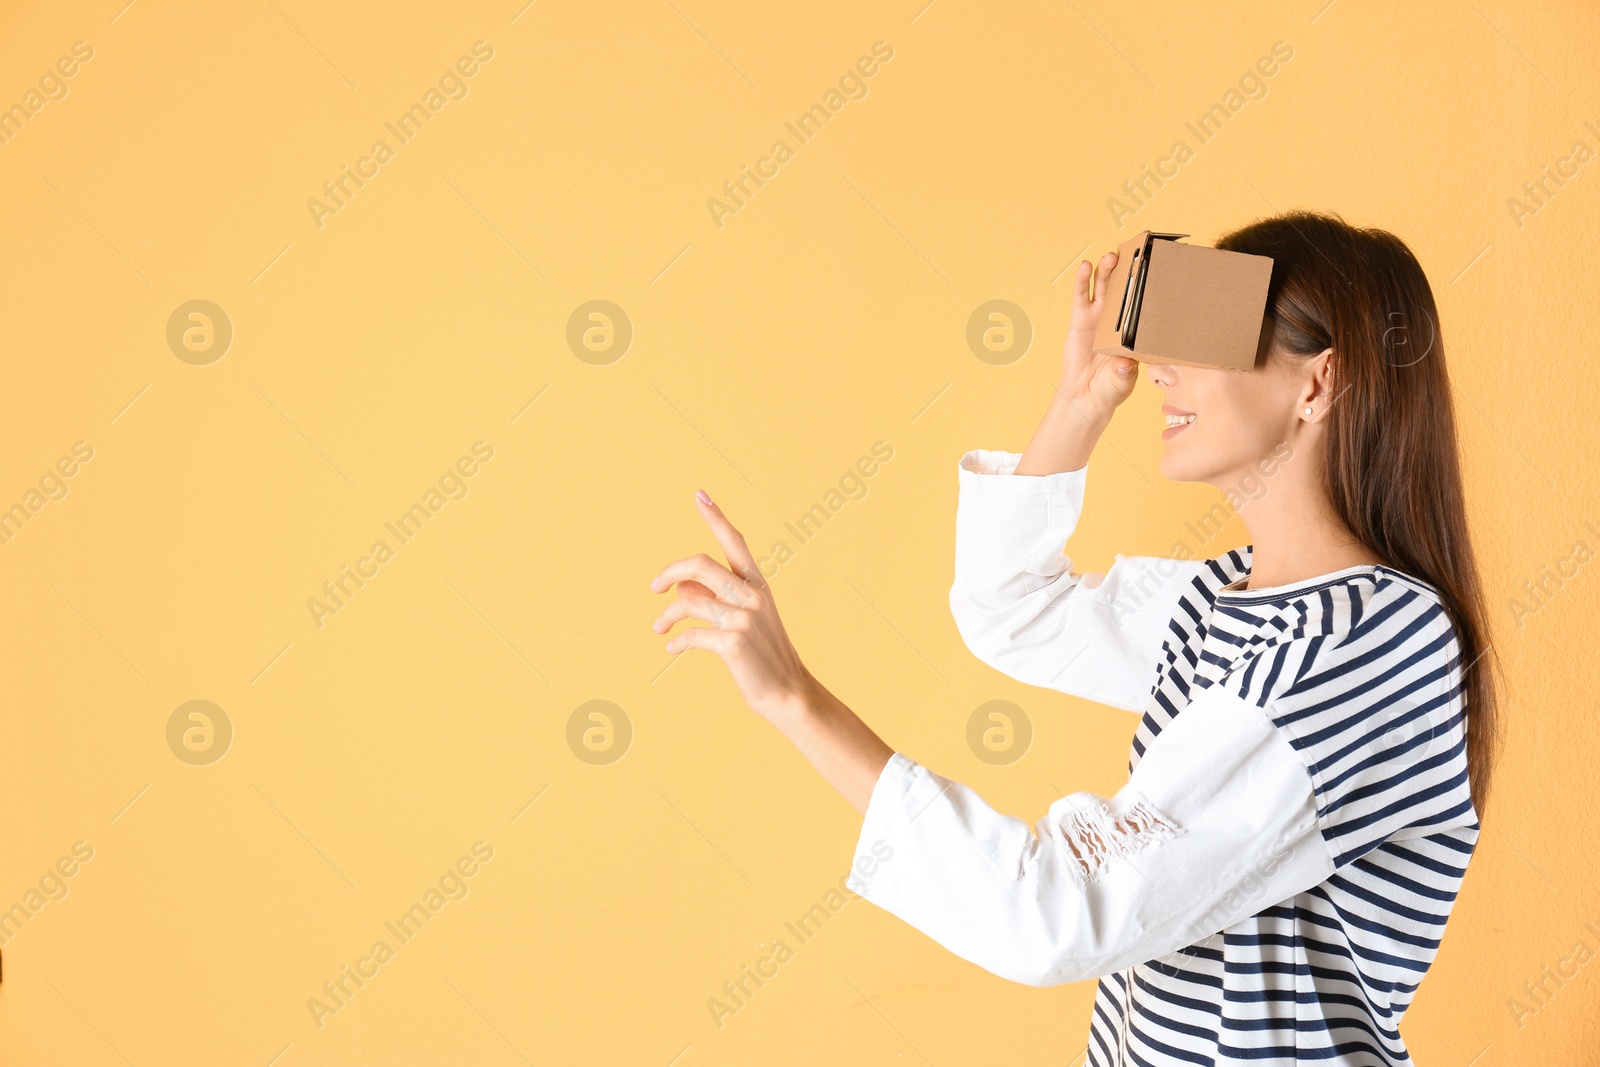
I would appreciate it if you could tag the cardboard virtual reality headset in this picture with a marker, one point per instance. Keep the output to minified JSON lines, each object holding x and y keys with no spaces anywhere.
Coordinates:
{"x":1189,"y":304}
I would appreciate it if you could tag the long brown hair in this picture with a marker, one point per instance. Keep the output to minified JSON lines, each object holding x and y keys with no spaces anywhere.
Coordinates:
{"x":1393,"y":474}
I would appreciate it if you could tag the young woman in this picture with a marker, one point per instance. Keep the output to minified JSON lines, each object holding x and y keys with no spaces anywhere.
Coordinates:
{"x":1318,"y":719}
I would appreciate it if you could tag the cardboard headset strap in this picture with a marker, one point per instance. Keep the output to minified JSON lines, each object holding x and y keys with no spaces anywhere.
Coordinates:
{"x":1169,"y":302}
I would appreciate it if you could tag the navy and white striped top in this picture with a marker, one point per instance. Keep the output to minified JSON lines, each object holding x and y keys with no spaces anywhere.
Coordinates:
{"x":1274,"y":881}
{"x":1362,"y":673}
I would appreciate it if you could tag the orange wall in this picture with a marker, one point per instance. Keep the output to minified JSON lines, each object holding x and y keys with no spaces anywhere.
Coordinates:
{"x":773,"y":342}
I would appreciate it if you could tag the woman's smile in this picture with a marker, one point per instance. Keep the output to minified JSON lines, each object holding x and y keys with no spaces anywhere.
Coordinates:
{"x":1177,"y":419}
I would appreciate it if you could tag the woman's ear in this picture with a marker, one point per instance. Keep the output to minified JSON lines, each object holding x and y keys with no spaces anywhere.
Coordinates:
{"x":1321,"y":390}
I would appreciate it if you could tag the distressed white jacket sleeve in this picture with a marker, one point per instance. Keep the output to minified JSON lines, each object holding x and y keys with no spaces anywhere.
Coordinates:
{"x":1022,"y":610}
{"x":1217,"y":822}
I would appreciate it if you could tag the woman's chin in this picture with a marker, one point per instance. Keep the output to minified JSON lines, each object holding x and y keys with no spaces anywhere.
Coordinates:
{"x":1171,"y":467}
{"x":1176,"y":467}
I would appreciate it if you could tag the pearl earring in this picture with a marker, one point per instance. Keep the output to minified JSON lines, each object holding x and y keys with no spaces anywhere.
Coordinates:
{"x":1308,"y":411}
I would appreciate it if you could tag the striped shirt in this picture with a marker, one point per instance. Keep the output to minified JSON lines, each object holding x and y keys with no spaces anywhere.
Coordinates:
{"x":1273,"y":882}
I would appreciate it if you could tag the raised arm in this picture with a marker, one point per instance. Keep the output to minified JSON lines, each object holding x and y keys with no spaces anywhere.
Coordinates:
{"x":1016,"y":601}
{"x":1091,"y":386}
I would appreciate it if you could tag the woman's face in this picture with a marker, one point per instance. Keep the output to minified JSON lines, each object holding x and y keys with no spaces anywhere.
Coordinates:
{"x":1240,"y":417}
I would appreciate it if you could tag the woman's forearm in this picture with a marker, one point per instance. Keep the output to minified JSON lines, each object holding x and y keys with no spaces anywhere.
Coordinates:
{"x":839,"y":745}
{"x":1065,"y":436}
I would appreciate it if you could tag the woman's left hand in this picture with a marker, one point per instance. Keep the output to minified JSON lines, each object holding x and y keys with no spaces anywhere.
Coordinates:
{"x":745,"y":629}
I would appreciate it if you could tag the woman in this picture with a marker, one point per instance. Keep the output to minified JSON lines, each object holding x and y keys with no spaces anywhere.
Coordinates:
{"x":1305,"y":782}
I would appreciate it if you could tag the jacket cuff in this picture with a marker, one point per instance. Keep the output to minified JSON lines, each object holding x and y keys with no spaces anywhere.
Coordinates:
{"x":993,"y":472}
{"x":881,"y":826}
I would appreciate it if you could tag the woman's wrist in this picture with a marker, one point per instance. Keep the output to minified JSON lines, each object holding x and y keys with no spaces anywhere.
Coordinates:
{"x":1066,"y":435}
{"x":1082,"y":413}
{"x":833,"y":738}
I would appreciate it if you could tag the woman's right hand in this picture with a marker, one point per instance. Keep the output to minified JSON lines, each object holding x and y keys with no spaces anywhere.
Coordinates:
{"x":1094,"y":384}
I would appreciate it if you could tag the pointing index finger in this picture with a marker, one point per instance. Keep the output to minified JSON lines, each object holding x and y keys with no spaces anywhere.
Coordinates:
{"x":732,"y":541}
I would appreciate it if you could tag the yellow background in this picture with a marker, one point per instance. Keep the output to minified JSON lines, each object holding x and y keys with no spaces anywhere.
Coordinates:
{"x":768,"y":355}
